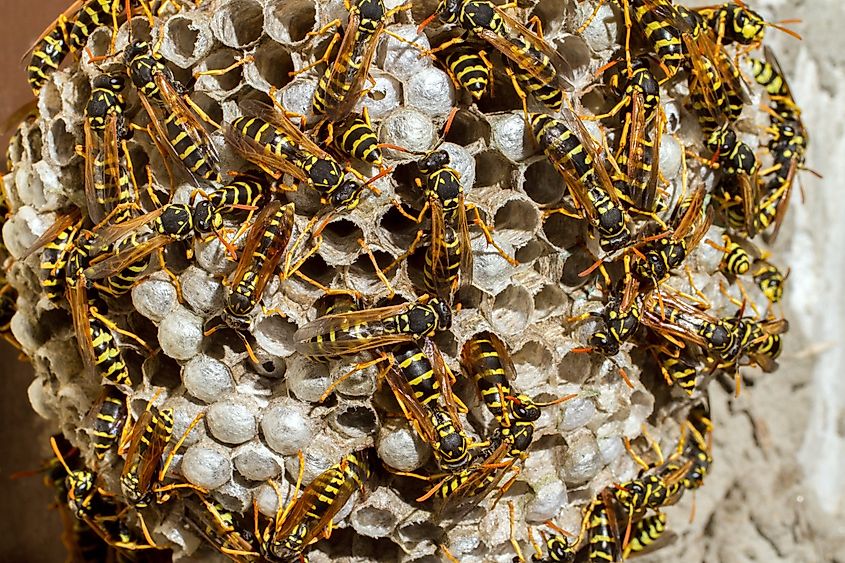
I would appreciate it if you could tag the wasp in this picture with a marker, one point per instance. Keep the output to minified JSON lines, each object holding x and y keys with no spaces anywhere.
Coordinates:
{"x":601,"y":529}
{"x":740,"y":165}
{"x":218,"y":527}
{"x":264,"y":248}
{"x":769,"y":279}
{"x":676,"y":368}
{"x":469,"y":68}
{"x":244,"y":191}
{"x":697,"y":447}
{"x":670,"y":316}
{"x":48,"y":53}
{"x":665,"y":252}
{"x":487,"y":361}
{"x":449,"y":260}
{"x":55,"y":244}
{"x":528,"y":53}
{"x":736,"y":261}
{"x":788,"y":143}
{"x":110,"y":412}
{"x":645,"y":533}
{"x":356,"y":331}
{"x":422,"y":384}
{"x":639,"y":143}
{"x":107,"y":182}
{"x":578,"y":162}
{"x":173,"y":222}
{"x":340,"y":86}
{"x":764,"y":343}
{"x":620,"y":318}
{"x":269,"y":140}
{"x":171,"y":114}
{"x":357,"y":138}
{"x":299,"y":524}
{"x":737,"y":23}
{"x":143,"y":469}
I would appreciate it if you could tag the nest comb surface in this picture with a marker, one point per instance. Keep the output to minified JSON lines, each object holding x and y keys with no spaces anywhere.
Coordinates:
{"x":259,"y":415}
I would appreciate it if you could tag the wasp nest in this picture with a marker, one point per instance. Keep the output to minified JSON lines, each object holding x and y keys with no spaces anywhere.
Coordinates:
{"x":262,"y":410}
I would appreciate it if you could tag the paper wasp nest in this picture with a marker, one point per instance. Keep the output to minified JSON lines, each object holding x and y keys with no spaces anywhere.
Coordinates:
{"x":258,"y":416}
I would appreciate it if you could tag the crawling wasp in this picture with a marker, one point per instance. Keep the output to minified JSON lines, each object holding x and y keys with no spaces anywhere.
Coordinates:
{"x":639,"y":143}
{"x":788,"y":143}
{"x":300,"y":523}
{"x":356,"y":331}
{"x":172,"y":222}
{"x":269,"y":139}
{"x":167,"y":105}
{"x":662,"y":253}
{"x":602,"y":532}
{"x":537,"y":63}
{"x":340,"y":86}
{"x":143,"y":469}
{"x":420,"y":382}
{"x":740,"y":182}
{"x":109,"y":412}
{"x":57,"y":243}
{"x":69,"y":32}
{"x":670,"y":316}
{"x":578,"y":162}
{"x":264,"y":249}
{"x":735,"y":22}
{"x":620,"y":317}
{"x":644,"y":534}
{"x":107,"y":184}
{"x":218,"y":527}
{"x":769,"y":279}
{"x":469,"y":68}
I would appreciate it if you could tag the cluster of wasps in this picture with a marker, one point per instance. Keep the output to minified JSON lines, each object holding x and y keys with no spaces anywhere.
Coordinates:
{"x":640,"y":233}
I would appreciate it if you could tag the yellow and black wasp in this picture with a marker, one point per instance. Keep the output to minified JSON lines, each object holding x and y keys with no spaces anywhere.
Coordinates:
{"x":620,"y":318}
{"x":670,"y":316}
{"x":108,"y":186}
{"x":736,"y":260}
{"x":660,"y":254}
{"x":422,"y":385}
{"x":143,"y":469}
{"x":219,"y":528}
{"x":638,"y":150}
{"x":769,"y":279}
{"x":469,"y":68}
{"x":676,"y":367}
{"x":357,"y":138}
{"x":602,"y":529}
{"x":356,"y":331}
{"x":267,"y":138}
{"x":87,"y":505}
{"x":787,"y":144}
{"x":577,"y":161}
{"x":55,"y":244}
{"x":170,"y":112}
{"x":299,"y":524}
{"x":486,"y":360}
{"x":263,"y":251}
{"x":342,"y":83}
{"x":69,"y":33}
{"x":645,"y":533}
{"x":739,"y":186}
{"x":735,"y":22}
{"x":109,"y":420}
{"x":170,"y":223}
{"x":534,"y":61}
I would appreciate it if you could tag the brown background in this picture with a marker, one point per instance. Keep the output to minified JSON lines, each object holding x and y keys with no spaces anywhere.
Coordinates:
{"x":29,"y":531}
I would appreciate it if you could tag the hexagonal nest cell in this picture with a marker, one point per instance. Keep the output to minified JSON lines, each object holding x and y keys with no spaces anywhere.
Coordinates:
{"x":235,"y":417}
